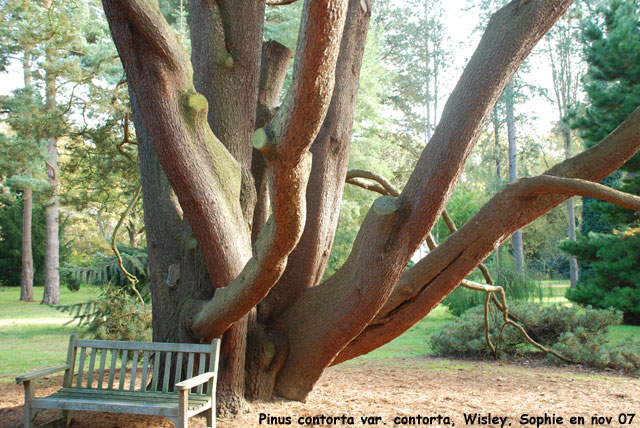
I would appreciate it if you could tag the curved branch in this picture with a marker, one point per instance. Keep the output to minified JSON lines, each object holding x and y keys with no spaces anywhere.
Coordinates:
{"x":424,"y":285}
{"x":370,"y":175}
{"x":279,"y":2}
{"x":366,"y":185}
{"x":130,"y":277}
{"x":53,"y":170}
{"x":490,"y":290}
{"x":294,"y":127}
{"x":546,"y":184}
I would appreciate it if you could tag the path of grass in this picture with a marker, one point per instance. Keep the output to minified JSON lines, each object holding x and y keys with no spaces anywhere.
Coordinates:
{"x":39,"y":342}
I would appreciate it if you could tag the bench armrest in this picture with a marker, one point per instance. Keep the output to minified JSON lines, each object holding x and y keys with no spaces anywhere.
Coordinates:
{"x":195,"y":381}
{"x":41,"y":373}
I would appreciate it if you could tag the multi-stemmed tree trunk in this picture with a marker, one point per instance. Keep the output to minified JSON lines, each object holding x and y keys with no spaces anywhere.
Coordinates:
{"x":52,"y":240}
{"x":219,"y":267}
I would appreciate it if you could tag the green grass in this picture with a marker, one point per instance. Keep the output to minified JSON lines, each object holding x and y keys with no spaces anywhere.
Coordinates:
{"x":29,"y":346}
{"x":415,"y":341}
{"x":618,"y":333}
{"x":12,"y":308}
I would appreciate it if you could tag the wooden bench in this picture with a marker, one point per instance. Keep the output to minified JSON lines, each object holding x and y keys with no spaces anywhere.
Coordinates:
{"x":125,"y":377}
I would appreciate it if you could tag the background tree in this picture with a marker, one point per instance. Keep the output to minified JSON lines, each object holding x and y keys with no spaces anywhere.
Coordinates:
{"x":608,"y":249}
{"x":282,"y":324}
{"x":23,"y":141}
{"x":566,"y":67}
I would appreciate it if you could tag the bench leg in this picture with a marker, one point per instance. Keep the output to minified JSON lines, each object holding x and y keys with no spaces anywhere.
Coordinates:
{"x":67,"y":415}
{"x":28,"y":412}
{"x":211,"y":422}
{"x":182,"y":421}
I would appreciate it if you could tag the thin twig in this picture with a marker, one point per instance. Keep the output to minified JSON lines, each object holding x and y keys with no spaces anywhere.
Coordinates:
{"x":131,"y":278}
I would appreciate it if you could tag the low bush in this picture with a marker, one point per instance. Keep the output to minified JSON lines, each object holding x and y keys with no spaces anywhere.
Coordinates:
{"x":577,"y":333}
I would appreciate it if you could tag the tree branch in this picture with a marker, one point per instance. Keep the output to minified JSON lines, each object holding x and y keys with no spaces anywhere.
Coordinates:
{"x":280,"y":2}
{"x":294,"y":127}
{"x":198,"y":166}
{"x":547,"y":184}
{"x":330,"y":151}
{"x":370,"y":175}
{"x":367,"y":185}
{"x":284,"y":143}
{"x":424,"y":285}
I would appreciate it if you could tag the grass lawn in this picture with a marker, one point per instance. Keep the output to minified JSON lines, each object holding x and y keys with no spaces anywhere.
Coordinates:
{"x":30,"y":335}
{"x":33,"y":336}
{"x":415,"y":341}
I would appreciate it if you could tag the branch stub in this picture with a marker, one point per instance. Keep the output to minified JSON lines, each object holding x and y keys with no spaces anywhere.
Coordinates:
{"x":259,"y":139}
{"x":385,"y":205}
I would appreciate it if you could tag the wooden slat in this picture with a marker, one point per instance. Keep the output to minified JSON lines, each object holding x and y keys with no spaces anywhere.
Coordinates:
{"x":179,"y":359}
{"x":71,"y":360}
{"x":103,"y":358}
{"x":123,"y":369}
{"x":112,"y":368}
{"x":156,"y":371}
{"x":167,"y":371}
{"x":189,"y":374}
{"x":144,"y":346}
{"x":134,"y":370}
{"x":83,"y":353}
{"x":145,"y":368}
{"x":203,"y":358}
{"x":92,"y":364}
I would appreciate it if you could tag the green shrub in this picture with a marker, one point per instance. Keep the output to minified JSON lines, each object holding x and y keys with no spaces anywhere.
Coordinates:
{"x":577,"y":333}
{"x":118,"y":316}
{"x":594,"y":350}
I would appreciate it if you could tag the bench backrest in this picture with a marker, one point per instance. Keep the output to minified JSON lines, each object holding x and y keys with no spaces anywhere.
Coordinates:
{"x":138,"y":366}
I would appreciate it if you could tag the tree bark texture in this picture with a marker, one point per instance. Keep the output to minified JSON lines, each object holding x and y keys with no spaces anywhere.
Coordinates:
{"x":52,"y":235}
{"x":221,"y":266}
{"x":26,"y":278}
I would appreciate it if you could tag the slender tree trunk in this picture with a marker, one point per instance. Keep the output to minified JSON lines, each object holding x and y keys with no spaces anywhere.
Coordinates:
{"x":52,"y":240}
{"x":26,"y":282}
{"x":518,"y":246}
{"x":496,"y":140}
{"x":571,"y":214}
{"x":427,"y":81}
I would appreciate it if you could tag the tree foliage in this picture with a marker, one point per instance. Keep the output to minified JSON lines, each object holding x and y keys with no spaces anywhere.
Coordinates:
{"x":608,"y":249}
{"x":11,"y":240}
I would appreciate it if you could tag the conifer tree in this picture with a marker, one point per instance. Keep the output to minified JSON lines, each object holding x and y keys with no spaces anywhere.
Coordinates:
{"x":612,"y":84}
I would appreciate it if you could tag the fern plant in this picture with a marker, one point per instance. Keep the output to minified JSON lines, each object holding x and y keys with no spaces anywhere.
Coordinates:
{"x":106,"y":269}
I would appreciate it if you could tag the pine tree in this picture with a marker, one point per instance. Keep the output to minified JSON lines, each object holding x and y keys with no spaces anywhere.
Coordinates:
{"x":610,"y":245}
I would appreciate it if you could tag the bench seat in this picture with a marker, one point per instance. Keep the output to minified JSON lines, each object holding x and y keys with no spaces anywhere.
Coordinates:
{"x":173,"y":380}
{"x":136,"y":402}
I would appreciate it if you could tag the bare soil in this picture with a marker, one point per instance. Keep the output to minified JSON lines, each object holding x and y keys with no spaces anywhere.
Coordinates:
{"x":399,"y":393}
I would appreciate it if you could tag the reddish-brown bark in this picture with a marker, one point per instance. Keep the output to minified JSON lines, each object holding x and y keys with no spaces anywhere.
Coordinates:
{"x":258,"y":284}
